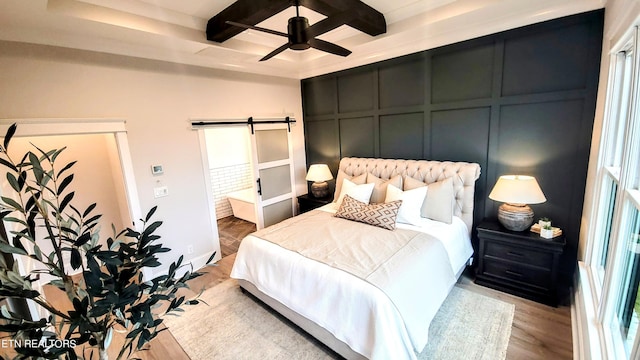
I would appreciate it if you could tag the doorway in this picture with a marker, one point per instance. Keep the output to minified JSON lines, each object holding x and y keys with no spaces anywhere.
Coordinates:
{"x":228,"y":151}
{"x":108,"y":141}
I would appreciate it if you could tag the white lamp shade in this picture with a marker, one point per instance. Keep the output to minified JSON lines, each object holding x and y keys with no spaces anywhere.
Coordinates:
{"x":517,"y":189}
{"x":319,"y":172}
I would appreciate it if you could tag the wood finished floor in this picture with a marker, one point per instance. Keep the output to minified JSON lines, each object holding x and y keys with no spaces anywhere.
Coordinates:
{"x":231,"y":231}
{"x":538,"y":331}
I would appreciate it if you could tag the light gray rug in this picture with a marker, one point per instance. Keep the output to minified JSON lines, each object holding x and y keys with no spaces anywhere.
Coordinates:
{"x":234,"y":326}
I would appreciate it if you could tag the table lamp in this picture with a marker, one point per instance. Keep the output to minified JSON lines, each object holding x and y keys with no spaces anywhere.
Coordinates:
{"x":319,"y":174}
{"x":516,"y":192}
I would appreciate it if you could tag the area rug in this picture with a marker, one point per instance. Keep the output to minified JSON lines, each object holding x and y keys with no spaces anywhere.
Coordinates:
{"x":235,"y":326}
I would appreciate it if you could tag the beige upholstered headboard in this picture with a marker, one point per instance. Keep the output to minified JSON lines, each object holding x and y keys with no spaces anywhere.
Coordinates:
{"x":464,"y":176}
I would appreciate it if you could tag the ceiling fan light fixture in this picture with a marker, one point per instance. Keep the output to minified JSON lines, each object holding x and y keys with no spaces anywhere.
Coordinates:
{"x":245,"y":14}
{"x":297,"y":29}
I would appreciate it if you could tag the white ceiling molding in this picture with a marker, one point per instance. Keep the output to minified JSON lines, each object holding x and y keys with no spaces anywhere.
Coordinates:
{"x":174,"y":31}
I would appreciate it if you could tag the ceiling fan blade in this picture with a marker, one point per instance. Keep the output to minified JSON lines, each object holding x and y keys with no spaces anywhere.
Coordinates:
{"x":274,"y":32}
{"x":329,"y":23}
{"x":329,"y":47}
{"x":276,"y":51}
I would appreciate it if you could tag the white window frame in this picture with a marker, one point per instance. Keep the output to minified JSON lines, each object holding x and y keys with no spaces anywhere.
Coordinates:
{"x":604,"y":293}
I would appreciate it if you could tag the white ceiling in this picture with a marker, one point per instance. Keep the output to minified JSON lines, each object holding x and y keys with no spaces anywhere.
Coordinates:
{"x":174,"y":30}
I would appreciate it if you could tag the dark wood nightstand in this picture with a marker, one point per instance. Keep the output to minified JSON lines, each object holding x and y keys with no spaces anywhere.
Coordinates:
{"x":519,"y":262}
{"x":308,"y":202}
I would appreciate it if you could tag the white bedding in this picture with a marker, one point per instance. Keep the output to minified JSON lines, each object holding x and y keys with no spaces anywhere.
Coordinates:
{"x":365,"y":319}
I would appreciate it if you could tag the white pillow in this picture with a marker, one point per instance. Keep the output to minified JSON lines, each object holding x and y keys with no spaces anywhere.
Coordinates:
{"x":361,"y":193}
{"x":411,"y":207}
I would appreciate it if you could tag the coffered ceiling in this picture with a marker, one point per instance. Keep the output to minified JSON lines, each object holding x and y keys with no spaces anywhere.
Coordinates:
{"x":174,"y":30}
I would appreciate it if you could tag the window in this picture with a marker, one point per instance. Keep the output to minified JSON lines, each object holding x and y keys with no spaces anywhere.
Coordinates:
{"x":614,"y":236}
{"x":613,"y":150}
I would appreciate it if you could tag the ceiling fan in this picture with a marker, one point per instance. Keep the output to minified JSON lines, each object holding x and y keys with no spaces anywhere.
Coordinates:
{"x":245,"y":14}
{"x":302,"y":36}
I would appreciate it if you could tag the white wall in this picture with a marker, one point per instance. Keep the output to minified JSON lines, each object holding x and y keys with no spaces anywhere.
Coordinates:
{"x":228,"y":145}
{"x":93,"y":180}
{"x":620,"y":15}
{"x":157,"y":99}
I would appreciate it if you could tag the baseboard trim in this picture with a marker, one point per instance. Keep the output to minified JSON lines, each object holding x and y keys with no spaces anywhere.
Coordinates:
{"x":192,"y":265}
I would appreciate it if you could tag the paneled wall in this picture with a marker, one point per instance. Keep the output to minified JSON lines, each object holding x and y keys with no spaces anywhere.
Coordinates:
{"x":519,"y":102}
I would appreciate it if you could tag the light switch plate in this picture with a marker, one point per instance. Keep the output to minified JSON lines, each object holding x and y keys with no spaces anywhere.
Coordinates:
{"x":161,"y":191}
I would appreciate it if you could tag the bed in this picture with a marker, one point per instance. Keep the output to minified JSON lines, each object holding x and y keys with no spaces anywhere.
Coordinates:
{"x":368,"y":291}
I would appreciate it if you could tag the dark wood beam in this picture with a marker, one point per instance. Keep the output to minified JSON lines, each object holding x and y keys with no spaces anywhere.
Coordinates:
{"x":249,"y":12}
{"x":252,"y":12}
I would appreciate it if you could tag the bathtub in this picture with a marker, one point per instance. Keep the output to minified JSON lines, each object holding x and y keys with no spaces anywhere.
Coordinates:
{"x":243,"y":204}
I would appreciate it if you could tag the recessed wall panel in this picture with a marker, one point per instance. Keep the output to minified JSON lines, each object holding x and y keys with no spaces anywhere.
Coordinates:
{"x":355,"y":92}
{"x":546,"y":61}
{"x":465,"y":74}
{"x":321,"y":140}
{"x":461,"y":135}
{"x":319,"y":96}
{"x":401,"y":136}
{"x":402,"y":84}
{"x":542,"y":140}
{"x":357,"y":137}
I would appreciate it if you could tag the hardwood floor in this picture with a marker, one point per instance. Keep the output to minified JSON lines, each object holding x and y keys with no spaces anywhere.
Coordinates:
{"x":538,"y":331}
{"x":231,"y":231}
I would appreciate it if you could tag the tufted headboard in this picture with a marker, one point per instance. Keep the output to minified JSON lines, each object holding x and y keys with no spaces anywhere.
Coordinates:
{"x":464,"y":177}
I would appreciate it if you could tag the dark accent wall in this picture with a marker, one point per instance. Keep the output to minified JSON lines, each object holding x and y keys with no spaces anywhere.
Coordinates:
{"x":516,"y":102}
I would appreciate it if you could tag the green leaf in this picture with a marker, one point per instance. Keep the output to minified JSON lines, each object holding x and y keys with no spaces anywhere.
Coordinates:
{"x":211,"y":257}
{"x":8,"y":249}
{"x":10,"y":132}
{"x":66,"y":201}
{"x":89,"y":210}
{"x":16,"y":220}
{"x":65,"y":183}
{"x":83,"y":239}
{"x":13,"y":182}
{"x":66,"y":167}
{"x":44,"y":154}
{"x":56,"y":153}
{"x":37,"y":170}
{"x":8,"y":164}
{"x":76,"y":259}
{"x":12,"y":203}
{"x":93,"y":219}
{"x":150,"y":213}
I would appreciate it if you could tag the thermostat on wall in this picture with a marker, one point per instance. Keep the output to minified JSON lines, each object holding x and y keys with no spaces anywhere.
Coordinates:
{"x":157,"y":169}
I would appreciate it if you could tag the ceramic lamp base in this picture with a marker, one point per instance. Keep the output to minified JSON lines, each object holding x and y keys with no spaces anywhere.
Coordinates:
{"x":320,"y":189}
{"x":515,"y":217}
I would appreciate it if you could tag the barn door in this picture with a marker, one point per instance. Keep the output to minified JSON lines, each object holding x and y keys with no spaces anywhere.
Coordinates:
{"x":273,"y":173}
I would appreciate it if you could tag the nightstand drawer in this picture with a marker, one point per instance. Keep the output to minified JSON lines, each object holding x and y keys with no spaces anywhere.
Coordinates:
{"x":523,"y":274}
{"x":518,"y":254}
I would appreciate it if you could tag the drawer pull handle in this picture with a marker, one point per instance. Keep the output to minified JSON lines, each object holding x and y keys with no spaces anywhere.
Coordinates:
{"x":513,"y":273}
{"x":515,"y":254}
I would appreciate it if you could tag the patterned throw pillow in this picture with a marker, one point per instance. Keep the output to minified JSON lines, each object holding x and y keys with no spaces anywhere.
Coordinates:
{"x":381,"y":215}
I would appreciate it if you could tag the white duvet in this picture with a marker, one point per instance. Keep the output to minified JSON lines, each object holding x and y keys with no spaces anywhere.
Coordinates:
{"x":353,"y":310}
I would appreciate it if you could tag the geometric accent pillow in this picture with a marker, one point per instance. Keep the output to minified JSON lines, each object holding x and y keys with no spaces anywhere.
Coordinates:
{"x":381,"y":215}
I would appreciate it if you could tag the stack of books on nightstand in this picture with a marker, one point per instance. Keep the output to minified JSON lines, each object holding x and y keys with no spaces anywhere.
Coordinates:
{"x":536,"y":229}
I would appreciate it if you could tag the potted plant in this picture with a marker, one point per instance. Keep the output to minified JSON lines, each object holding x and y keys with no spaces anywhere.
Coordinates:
{"x":546,"y":232}
{"x":108,"y":294}
{"x":544,"y":221}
